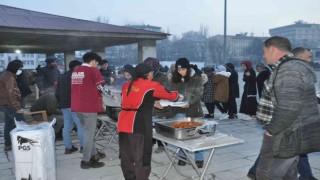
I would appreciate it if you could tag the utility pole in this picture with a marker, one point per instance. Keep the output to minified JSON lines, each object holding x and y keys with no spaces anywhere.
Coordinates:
{"x":225,"y":33}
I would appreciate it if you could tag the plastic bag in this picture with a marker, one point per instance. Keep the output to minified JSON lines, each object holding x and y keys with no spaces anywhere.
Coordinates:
{"x":208,"y":128}
{"x":33,"y":148}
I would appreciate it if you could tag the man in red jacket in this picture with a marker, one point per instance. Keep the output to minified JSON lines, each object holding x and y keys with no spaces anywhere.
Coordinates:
{"x":135,"y":122}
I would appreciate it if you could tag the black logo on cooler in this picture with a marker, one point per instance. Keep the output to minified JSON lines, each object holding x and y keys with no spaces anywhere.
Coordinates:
{"x":23,"y":140}
{"x":29,"y":178}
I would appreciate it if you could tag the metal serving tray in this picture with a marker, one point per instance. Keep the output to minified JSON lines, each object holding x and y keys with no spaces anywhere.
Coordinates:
{"x":164,"y":128}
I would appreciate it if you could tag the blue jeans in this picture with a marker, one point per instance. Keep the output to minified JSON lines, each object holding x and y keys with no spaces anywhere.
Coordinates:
{"x":198,"y":155}
{"x":70,"y":117}
{"x":9,"y":115}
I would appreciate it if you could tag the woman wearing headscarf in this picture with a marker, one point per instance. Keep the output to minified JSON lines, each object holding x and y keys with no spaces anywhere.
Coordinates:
{"x":135,"y":122}
{"x":10,"y":100}
{"x":249,"y":97}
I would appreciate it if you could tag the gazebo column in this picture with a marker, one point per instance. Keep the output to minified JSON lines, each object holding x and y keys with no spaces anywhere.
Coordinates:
{"x":146,"y":49}
{"x":68,"y":57}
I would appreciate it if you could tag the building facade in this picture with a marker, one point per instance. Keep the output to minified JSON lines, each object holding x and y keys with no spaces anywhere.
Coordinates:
{"x":239,"y":47}
{"x":301,"y":34}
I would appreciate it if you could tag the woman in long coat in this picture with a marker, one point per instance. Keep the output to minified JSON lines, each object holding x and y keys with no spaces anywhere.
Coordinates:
{"x":249,"y":97}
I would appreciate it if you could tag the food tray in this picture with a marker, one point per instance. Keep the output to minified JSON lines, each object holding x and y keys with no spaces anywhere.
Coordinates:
{"x":164,"y":128}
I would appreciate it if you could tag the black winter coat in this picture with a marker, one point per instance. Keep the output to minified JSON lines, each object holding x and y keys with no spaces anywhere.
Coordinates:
{"x":63,"y":91}
{"x":23,"y":84}
{"x":249,"y":97}
{"x":233,"y":84}
{"x":262,"y":76}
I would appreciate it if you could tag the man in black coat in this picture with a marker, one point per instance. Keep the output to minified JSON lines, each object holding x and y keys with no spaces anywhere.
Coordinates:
{"x":63,"y":95}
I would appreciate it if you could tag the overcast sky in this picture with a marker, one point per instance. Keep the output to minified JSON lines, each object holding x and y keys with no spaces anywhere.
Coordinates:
{"x":179,"y":16}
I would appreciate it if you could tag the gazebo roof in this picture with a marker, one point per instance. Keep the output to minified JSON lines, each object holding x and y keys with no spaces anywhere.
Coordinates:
{"x":35,"y":32}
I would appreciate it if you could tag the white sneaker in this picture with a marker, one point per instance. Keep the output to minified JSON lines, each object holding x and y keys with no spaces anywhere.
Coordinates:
{"x":248,"y":118}
{"x":223,"y":116}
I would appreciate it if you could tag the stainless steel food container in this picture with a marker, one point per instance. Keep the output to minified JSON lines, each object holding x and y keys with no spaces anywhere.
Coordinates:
{"x":165,"y":128}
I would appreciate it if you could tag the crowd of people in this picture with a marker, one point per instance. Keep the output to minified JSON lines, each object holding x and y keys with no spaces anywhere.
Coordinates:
{"x":281,"y":97}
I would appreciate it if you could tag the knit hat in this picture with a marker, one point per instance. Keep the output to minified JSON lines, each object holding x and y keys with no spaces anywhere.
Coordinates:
{"x":141,"y":70}
{"x":207,"y":70}
{"x":261,"y":65}
{"x":103,"y":61}
{"x":182,"y":63}
{"x":153,"y":62}
{"x":229,"y":66}
{"x":220,"y":68}
{"x":50,"y":60}
{"x":129,"y":69}
{"x":19,"y":61}
{"x":74,"y":64}
{"x":127,"y":66}
{"x":13,"y":66}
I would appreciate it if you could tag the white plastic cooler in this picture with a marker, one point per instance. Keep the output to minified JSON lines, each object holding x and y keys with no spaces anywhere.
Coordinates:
{"x":34,"y":151}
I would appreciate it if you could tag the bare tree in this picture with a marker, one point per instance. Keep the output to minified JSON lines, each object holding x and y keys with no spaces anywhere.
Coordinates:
{"x":101,"y":19}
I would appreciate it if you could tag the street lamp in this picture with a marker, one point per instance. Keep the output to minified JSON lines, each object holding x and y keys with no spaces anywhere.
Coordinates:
{"x":225,"y":33}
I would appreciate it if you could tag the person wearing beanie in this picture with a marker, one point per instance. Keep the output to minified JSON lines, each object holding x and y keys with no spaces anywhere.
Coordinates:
{"x":135,"y":121}
{"x":10,"y":100}
{"x":48,"y":76}
{"x":188,"y":83}
{"x":50,"y":60}
{"x":161,"y":78}
{"x":63,"y":96}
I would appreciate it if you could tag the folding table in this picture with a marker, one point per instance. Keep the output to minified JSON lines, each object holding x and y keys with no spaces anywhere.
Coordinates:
{"x":105,"y":125}
{"x":192,"y":145}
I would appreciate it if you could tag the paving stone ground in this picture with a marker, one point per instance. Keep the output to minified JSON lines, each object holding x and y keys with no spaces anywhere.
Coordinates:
{"x":228,"y":163}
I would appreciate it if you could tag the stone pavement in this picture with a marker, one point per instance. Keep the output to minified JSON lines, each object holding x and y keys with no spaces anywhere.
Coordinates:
{"x":228,"y":163}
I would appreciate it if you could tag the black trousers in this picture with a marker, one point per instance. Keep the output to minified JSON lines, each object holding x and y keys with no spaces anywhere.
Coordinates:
{"x":210,"y":107}
{"x":131,"y":152}
{"x":232,"y":106}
